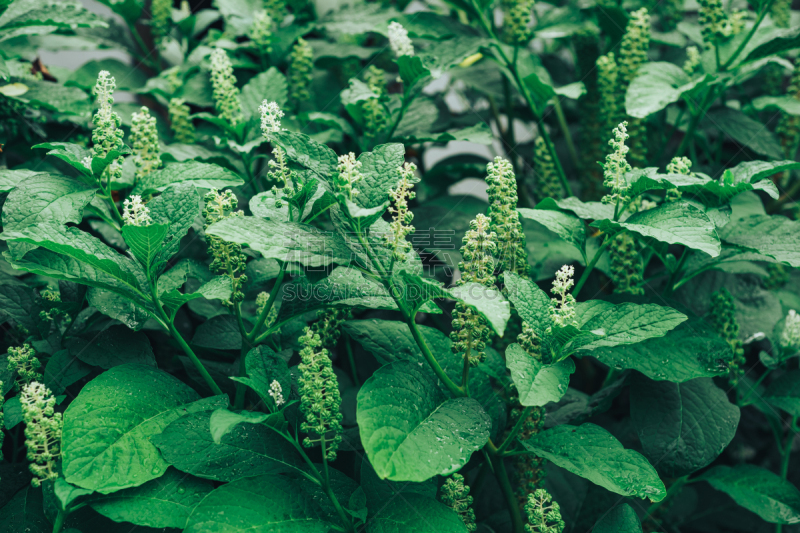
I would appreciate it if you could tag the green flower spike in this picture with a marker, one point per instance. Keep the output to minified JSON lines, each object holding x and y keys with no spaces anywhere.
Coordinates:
{"x":180,"y":122}
{"x":547,"y":183}
{"x":616,"y":167}
{"x":375,"y":117}
{"x":502,"y":190}
{"x":349,"y":176}
{"x":516,"y":21}
{"x":301,"y":64}
{"x":723,"y":316}
{"x":788,"y":128}
{"x":790,"y":337}
{"x":715,"y":23}
{"x":455,"y":494}
{"x":228,"y":259}
{"x":144,"y":138}
{"x":401,"y":215}
{"x":271,"y":116}
{"x":106,"y":135}
{"x":329,"y":326}
{"x":226,"y":95}
{"x":261,"y":32}
{"x":160,"y":18}
{"x":24,"y":362}
{"x":632,"y":55}
{"x":627,"y":270}
{"x":692,"y":62}
{"x":530,"y":469}
{"x":319,"y":396}
{"x":42,"y":431}
{"x":544,"y":515}
{"x":399,"y":41}
{"x":607,"y":76}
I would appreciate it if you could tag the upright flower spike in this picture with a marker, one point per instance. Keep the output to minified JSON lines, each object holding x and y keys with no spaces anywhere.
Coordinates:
{"x":616,"y":167}
{"x":261,"y":32}
{"x":301,"y":64}
{"x":375,"y":117}
{"x":276,"y":9}
{"x":329,"y":326}
{"x":692,"y":60}
{"x":781,"y":13}
{"x":530,"y":468}
{"x":42,"y":431}
{"x":180,"y":122}
{"x":319,"y":396}
{"x":547,"y":183}
{"x":271,"y":116}
{"x":401,"y":215}
{"x":276,"y":393}
{"x":607,"y":76}
{"x":544,"y":515}
{"x":502,"y":190}
{"x":788,"y":128}
{"x":562,"y":308}
{"x":723,"y":316}
{"x":135,"y":212}
{"x":228,"y":259}
{"x":24,"y":362}
{"x":678,"y":165}
{"x":223,"y":81}
{"x":399,"y":41}
{"x":349,"y":175}
{"x":627,"y":270}
{"x":632,"y":55}
{"x":516,"y":21}
{"x":455,"y":495}
{"x":144,"y":138}
{"x":106,"y":135}
{"x":715,"y":23}
{"x":470,"y":331}
{"x":671,"y":13}
{"x":790,"y":336}
{"x":160,"y":18}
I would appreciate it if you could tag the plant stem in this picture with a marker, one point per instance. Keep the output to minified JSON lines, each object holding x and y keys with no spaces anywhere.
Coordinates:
{"x":326,"y":483}
{"x":513,"y":434}
{"x":273,"y":294}
{"x":59,"y":521}
{"x":787,"y":454}
{"x":590,"y":267}
{"x":674,"y":489}
{"x":671,"y":284}
{"x":562,"y":122}
{"x":508,"y":493}
{"x":764,"y":10}
{"x":349,"y":347}
{"x":689,"y":136}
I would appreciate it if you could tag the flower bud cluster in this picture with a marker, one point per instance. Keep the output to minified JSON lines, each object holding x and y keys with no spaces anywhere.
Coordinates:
{"x":329,"y":326}
{"x":544,"y":515}
{"x":547,"y":183}
{"x":790,"y":337}
{"x":399,"y":41}
{"x":42,"y":431}
{"x":301,"y":64}
{"x":477,"y":251}
{"x":401,"y":215}
{"x":261,"y":32}
{"x":627,"y":270}
{"x":225,"y":92}
{"x":144,"y":138}
{"x":160,"y":18}
{"x":319,"y":396}
{"x":271,"y":115}
{"x":180,"y":122}
{"x":692,"y":62}
{"x":375,"y":117}
{"x":276,"y":393}
{"x":607,"y":83}
{"x":516,"y":21}
{"x":455,"y":495}
{"x":24,"y":362}
{"x":530,"y":468}
{"x":788,"y":128}
{"x":502,"y":191}
{"x":723,"y":316}
{"x":616,"y":167}
{"x":135,"y":212}
{"x":227,"y":257}
{"x":106,"y":135}
{"x":281,"y":176}
{"x":349,"y":175}
{"x":562,"y":308}
{"x":716,"y":24}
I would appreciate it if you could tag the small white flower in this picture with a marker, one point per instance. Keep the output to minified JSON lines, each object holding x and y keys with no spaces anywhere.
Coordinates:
{"x":87,"y":162}
{"x":349,"y":174}
{"x":135,"y":212}
{"x":271,"y":116}
{"x":399,"y":40}
{"x":562,"y":309}
{"x":276,"y":392}
{"x":791,"y":330}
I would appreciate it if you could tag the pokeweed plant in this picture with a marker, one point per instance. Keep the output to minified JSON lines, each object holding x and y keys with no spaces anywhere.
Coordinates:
{"x":241,"y":292}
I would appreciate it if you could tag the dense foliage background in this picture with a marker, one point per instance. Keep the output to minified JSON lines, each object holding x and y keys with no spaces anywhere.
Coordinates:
{"x":443,"y":265}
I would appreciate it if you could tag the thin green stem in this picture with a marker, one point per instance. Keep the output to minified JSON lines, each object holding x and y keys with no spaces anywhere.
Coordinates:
{"x":590,"y":267}
{"x":674,"y":278}
{"x":273,"y":294}
{"x":786,"y":456}
{"x":241,"y":388}
{"x":345,"y":518}
{"x":562,"y":122}
{"x":764,"y":10}
{"x":59,"y":521}
{"x":753,"y":388}
{"x":348,"y":343}
{"x":513,"y":434}
{"x":508,"y":493}
{"x":689,"y":136}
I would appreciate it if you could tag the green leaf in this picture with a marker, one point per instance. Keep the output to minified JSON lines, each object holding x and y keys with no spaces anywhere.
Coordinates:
{"x":18,"y":303}
{"x":246,"y":451}
{"x":620,"y":519}
{"x":411,"y":70}
{"x":265,"y":503}
{"x":691,"y":350}
{"x":220,"y":332}
{"x":531,"y":302}
{"x":11,"y":178}
{"x":402,"y":416}
{"x":390,"y":340}
{"x":263,"y":366}
{"x":747,"y":131}
{"x":219,"y":288}
{"x":24,"y":513}
{"x":787,"y":104}
{"x":770,"y":40}
{"x":683,"y":427}
{"x":115,"y":346}
{"x":672,"y":223}
{"x":270,"y":85}
{"x":63,"y":370}
{"x":775,"y":236}
{"x":658,"y":84}
{"x":127,"y":78}
{"x":585,"y":210}
{"x":30,"y":17}
{"x":145,"y":243}
{"x":178,"y":205}
{"x":537,"y":384}
{"x":784,"y":393}
{"x":285,"y":241}
{"x":307,"y":152}
{"x":758,"y":490}
{"x":133,"y":314}
{"x":263,"y":205}
{"x":107,"y":428}
{"x":67,"y":493}
{"x":748,"y":176}
{"x":380,"y":171}
{"x":568,"y":227}
{"x":164,"y":502}
{"x":12,"y":412}
{"x":415,"y":513}
{"x":223,"y":421}
{"x":593,"y":453}
{"x":202,"y":175}
{"x":625,"y":323}
{"x":45,"y":198}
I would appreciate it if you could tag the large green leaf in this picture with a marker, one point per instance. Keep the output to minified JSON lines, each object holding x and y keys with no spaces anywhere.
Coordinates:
{"x":683,"y":427}
{"x":24,"y":513}
{"x":620,"y":519}
{"x":772,"y":235}
{"x":672,"y":223}
{"x":202,"y":175}
{"x":127,"y":78}
{"x":285,"y":241}
{"x":380,"y":170}
{"x":784,"y":392}
{"x":531,"y":302}
{"x":264,"y":366}
{"x":585,"y":210}
{"x":145,"y":243}
{"x":691,"y":350}
{"x":379,"y":491}
{"x":537,"y":384}
{"x":11,"y":178}
{"x":45,"y":198}
{"x":415,"y":513}
{"x":270,"y":85}
{"x":747,"y":131}
{"x":307,"y":152}
{"x":18,"y":302}
{"x":402,"y":416}
{"x":656,"y":85}
{"x":63,"y":370}
{"x":115,"y":346}
{"x":758,"y":490}
{"x":568,"y":227}
{"x":164,"y":502}
{"x":267,"y":503}
{"x":247,"y":450}
{"x":30,"y":17}
{"x":625,"y":323}
{"x":107,"y":428}
{"x":178,"y":206}
{"x":593,"y":453}
{"x":218,"y":288}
